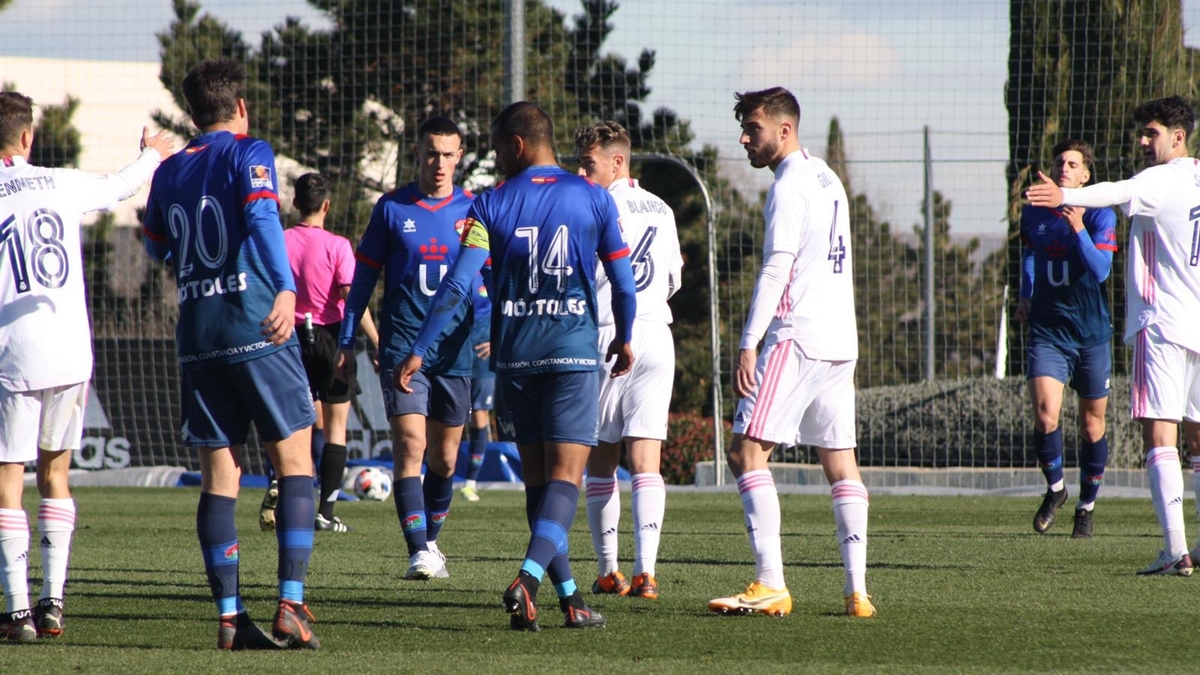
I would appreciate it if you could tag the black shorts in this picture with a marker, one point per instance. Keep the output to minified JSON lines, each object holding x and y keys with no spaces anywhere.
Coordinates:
{"x":319,"y":354}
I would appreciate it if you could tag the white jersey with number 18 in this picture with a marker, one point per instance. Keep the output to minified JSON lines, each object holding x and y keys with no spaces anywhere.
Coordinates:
{"x":808,"y":216}
{"x":45,"y":338}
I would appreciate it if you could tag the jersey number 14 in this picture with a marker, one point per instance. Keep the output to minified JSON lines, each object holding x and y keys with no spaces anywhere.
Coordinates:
{"x":47,"y":255}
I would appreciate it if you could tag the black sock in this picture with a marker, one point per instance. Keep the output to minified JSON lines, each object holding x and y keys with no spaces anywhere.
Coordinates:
{"x":333,"y":463}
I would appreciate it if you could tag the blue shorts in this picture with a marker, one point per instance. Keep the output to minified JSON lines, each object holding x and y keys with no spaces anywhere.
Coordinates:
{"x":445,"y":398}
{"x":483,"y":391}
{"x":220,"y":402}
{"x":1085,"y":369}
{"x":561,"y":407}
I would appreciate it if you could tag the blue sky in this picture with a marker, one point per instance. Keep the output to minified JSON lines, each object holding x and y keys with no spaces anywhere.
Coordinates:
{"x":885,"y":69}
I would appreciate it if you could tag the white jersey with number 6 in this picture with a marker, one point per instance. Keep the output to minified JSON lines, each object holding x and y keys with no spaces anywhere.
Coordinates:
{"x":648,"y":225}
{"x":808,"y":216}
{"x":45,"y":339}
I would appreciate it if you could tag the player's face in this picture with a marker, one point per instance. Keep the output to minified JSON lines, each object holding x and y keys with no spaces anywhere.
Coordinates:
{"x":438,"y":156}
{"x":762,"y":138}
{"x":1070,"y":171}
{"x":598,"y":166}
{"x":1159,"y":144}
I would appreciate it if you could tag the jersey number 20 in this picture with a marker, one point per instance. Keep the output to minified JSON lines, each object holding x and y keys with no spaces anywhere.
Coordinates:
{"x":48,"y":256}
{"x":181,"y":229}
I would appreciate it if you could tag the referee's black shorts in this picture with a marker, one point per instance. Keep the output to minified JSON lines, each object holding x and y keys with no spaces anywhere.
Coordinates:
{"x":319,"y":353}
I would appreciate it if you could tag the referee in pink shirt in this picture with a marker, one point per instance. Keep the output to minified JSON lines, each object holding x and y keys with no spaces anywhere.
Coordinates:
{"x":323,"y":265}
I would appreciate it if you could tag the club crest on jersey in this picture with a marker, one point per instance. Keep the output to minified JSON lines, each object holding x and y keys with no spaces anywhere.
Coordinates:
{"x":260,"y":177}
{"x":459,"y":225}
{"x":433,"y":250}
{"x":231,"y":553}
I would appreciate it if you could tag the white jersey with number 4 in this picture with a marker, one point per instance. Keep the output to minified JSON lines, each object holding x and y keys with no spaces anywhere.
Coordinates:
{"x":808,"y":216}
{"x":45,"y":339}
{"x":648,"y":226}
{"x":1162,"y":283}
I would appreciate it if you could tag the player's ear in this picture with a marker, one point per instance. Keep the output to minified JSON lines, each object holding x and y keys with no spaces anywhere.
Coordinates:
{"x":241,"y":108}
{"x":325,"y":205}
{"x":26,"y":140}
{"x":1087,"y":175}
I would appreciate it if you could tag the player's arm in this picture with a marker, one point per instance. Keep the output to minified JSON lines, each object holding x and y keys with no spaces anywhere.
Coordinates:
{"x":785,"y":223}
{"x":453,"y":289}
{"x":103,"y":191}
{"x":372,"y":252}
{"x":614,"y":258}
{"x":265,"y":230}
{"x":1097,"y":255}
{"x":1027,"y":270}
{"x":1132,"y":196}
{"x":154,"y":232}
{"x":675,"y":273}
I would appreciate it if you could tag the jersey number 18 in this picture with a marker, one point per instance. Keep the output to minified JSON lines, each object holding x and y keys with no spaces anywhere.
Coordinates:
{"x":48,"y":256}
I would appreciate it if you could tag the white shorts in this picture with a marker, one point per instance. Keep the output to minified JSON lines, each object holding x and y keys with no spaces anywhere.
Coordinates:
{"x":1166,"y":379}
{"x":47,"y":419}
{"x":799,"y":401}
{"x":636,"y":405}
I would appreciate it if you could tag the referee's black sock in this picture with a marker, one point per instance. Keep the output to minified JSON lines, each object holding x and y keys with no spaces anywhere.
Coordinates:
{"x":333,"y":463}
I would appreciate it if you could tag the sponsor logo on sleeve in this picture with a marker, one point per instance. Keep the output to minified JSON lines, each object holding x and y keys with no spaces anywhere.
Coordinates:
{"x":260,"y":178}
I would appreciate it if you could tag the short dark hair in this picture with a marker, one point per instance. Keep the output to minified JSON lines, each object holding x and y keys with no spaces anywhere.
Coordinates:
{"x":16,"y":115}
{"x":1172,"y":113}
{"x":312,"y":189}
{"x":212,"y":89}
{"x":776,"y":102}
{"x":526,"y":120}
{"x":439,"y":126}
{"x":1082,"y":147}
{"x":605,"y":135}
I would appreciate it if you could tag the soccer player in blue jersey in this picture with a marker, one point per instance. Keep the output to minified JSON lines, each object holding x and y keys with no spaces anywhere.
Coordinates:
{"x":413,"y":238}
{"x":483,"y":386}
{"x":1067,"y":257}
{"x":213,"y":212}
{"x":543,"y":228}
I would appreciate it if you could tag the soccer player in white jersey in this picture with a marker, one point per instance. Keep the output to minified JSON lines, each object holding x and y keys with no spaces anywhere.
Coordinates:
{"x":801,"y":389}
{"x":1162,"y":303}
{"x":632,"y":408}
{"x":45,"y":352}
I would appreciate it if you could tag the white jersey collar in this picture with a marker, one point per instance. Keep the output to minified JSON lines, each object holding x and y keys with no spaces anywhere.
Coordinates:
{"x":15,"y":160}
{"x":622,"y":183}
{"x":797,"y":156}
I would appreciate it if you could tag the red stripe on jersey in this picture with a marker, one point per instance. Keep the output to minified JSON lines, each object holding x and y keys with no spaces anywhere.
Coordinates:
{"x":157,"y":238}
{"x":623,"y":253}
{"x":435,"y":207}
{"x":1107,"y":247}
{"x":367,"y":261}
{"x":261,"y":194}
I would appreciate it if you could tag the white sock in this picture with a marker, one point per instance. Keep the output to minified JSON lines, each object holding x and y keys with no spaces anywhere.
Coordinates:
{"x":649,"y":505}
{"x":1058,"y":485}
{"x":1196,"y":486}
{"x":1166,"y":490}
{"x":604,"y":514}
{"x":56,"y":522}
{"x":470,"y":482}
{"x":760,"y":501}
{"x":14,"y":558}
{"x":850,"y":515}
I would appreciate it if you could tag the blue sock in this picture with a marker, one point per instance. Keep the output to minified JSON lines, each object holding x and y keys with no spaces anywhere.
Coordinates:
{"x":410,"y":507}
{"x":294,"y":530}
{"x":317,"y":448}
{"x":533,"y":497}
{"x":217,"y":531}
{"x":1092,"y":458}
{"x":479,"y":441}
{"x":551,"y":523}
{"x":438,"y":491}
{"x":1050,"y":454}
{"x":559,"y":569}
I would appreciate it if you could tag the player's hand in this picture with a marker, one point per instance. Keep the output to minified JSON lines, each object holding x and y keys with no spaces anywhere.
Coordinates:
{"x":346,"y":365}
{"x":623,"y":353}
{"x":1047,"y":193}
{"x":1074,"y":216}
{"x":281,"y":322}
{"x":404,"y":373}
{"x":483,"y":350}
{"x":162,"y":142}
{"x":1022,"y":313}
{"x":373,"y":354}
{"x":745,"y":379}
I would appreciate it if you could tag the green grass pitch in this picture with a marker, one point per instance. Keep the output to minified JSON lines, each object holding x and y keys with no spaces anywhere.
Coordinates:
{"x":962,"y":584}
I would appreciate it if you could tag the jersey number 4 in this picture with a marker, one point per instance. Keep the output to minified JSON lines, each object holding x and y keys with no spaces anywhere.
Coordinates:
{"x":553,"y":263}
{"x":837,"y":249}
{"x":1194,"y":216}
{"x":47,"y":255}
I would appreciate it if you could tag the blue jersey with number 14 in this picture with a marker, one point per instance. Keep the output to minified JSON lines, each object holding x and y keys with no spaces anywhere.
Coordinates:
{"x":206,"y":203}
{"x":544,"y":229}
